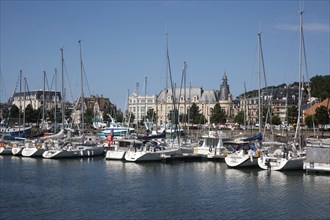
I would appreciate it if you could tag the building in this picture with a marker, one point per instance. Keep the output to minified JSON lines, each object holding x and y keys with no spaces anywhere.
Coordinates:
{"x":97,"y":104}
{"x":312,"y":109}
{"x":37,"y":98}
{"x":279,"y":99}
{"x":139,"y":105}
{"x":164,"y":102}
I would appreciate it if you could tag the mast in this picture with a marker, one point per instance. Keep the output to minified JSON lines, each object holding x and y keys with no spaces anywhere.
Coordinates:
{"x":189,"y":106}
{"x":81,"y":91}
{"x":244,"y":118}
{"x":55,"y":118}
{"x":259,"y":79}
{"x":63,"y":100}
{"x":43,"y":101}
{"x":297,"y":133}
{"x":20,"y":102}
{"x":24,"y":105}
{"x":185,"y":93}
{"x":166,"y":81}
{"x":137,"y":106}
{"x":145,"y":97}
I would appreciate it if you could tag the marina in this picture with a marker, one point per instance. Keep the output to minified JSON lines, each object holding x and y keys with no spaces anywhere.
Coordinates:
{"x":209,"y":136}
{"x":95,"y":188}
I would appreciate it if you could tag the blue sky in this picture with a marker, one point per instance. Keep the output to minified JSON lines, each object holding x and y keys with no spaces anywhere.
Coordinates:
{"x":124,"y":41}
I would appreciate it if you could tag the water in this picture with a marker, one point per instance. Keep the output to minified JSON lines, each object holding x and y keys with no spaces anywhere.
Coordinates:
{"x":99,"y":189}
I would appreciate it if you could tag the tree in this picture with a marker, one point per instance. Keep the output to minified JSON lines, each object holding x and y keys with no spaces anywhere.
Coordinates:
{"x":292,"y":114}
{"x":320,"y":86}
{"x":183,"y":118}
{"x":14,"y":111}
{"x":195,"y":116}
{"x":30,"y":114}
{"x":152,"y":115}
{"x":310,"y":121}
{"x":322,"y":115}
{"x":173,"y":116}
{"x":276,"y":120}
{"x":218,"y":115}
{"x":239,"y":118}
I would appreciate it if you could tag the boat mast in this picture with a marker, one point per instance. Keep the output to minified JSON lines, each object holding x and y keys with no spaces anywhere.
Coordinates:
{"x":259,"y":79}
{"x":298,"y":132}
{"x":145,"y":98}
{"x":244,"y":118}
{"x":55,"y":109}
{"x":166,"y":81}
{"x":63,"y":100}
{"x":43,"y":102}
{"x":24,"y":113}
{"x":20,"y":102}
{"x":81,"y":91}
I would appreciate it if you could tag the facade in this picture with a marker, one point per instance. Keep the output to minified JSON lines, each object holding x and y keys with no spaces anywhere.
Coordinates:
{"x":95,"y":103}
{"x":183,"y":99}
{"x":36,"y":99}
{"x":280,"y":100}
{"x":139,"y":105}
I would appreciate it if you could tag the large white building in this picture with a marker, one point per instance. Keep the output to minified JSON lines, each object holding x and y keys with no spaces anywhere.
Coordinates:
{"x":164,"y":102}
{"x":36,"y":99}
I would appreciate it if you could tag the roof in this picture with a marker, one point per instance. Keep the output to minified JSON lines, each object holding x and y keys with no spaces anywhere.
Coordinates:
{"x":311,"y":110}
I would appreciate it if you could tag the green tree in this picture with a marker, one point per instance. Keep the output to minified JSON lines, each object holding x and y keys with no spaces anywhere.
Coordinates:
{"x":14,"y":112}
{"x":30,"y":114}
{"x":218,"y":115}
{"x":173,"y":116}
{"x":276,"y":120}
{"x":239,"y":118}
{"x":310,"y":120}
{"x":195,"y":116}
{"x":322,"y":115}
{"x":320,"y":86}
{"x":183,"y":118}
{"x":152,"y":115}
{"x":292,"y":114}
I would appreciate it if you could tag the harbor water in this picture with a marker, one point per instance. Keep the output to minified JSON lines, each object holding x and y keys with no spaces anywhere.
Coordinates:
{"x":96,"y":188}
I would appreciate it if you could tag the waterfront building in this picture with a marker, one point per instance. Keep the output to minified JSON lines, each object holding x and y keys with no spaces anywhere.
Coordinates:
{"x":97,"y":104}
{"x":163,"y":103}
{"x":36,"y":99}
{"x":279,"y":99}
{"x":139,"y":105}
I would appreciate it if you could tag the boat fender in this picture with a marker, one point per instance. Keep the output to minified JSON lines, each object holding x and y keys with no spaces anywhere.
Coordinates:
{"x":251,"y":156}
{"x":210,"y":149}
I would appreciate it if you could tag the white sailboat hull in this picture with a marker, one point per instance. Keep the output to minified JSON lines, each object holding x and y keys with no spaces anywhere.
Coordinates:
{"x":32,"y":152}
{"x":278,"y":163}
{"x":5,"y":151}
{"x":241,"y":160}
{"x":17,"y":151}
{"x":144,"y":156}
{"x":74,"y":153}
{"x":115,"y":155}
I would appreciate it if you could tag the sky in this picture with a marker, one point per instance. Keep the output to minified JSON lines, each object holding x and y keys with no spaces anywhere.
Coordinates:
{"x":123,"y":42}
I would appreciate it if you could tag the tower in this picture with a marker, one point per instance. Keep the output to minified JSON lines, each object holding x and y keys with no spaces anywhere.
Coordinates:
{"x":224,"y":88}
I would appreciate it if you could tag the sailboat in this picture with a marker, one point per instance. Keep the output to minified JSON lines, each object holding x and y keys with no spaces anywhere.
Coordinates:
{"x":291,"y":158}
{"x":153,"y":150}
{"x":76,"y":149}
{"x":16,"y":132}
{"x":247,"y":153}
